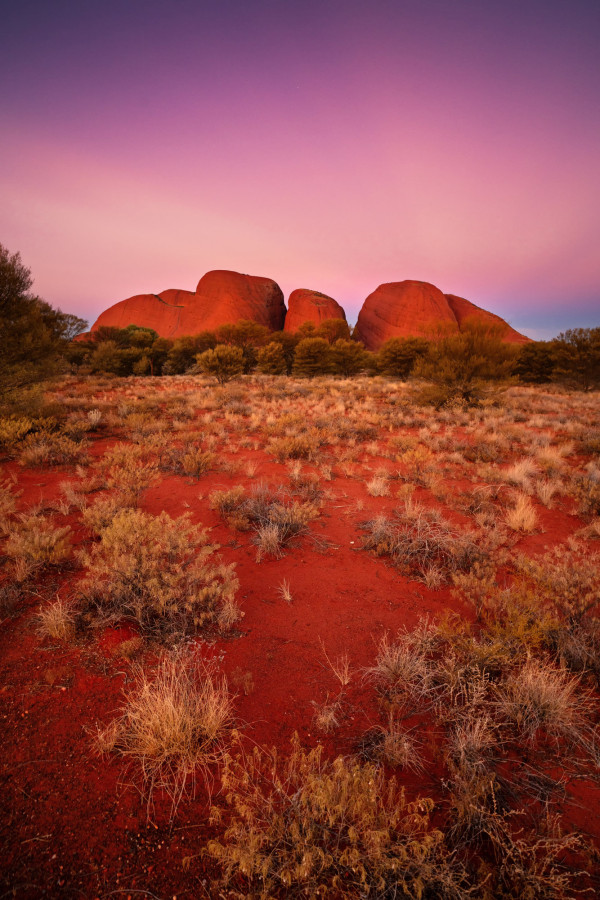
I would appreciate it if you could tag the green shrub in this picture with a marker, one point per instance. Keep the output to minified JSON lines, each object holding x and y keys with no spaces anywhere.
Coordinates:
{"x":223,"y":363}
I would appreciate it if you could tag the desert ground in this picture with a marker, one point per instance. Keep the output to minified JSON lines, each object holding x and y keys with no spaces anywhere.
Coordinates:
{"x":381,"y":621}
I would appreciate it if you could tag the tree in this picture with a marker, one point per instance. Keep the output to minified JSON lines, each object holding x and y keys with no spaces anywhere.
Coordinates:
{"x":224,"y":362}
{"x":465,"y":366}
{"x":334,"y":330}
{"x":348,"y":357}
{"x":536,"y":362}
{"x":312,"y":357}
{"x":577,"y":354}
{"x":271,"y":360}
{"x":33,"y":335}
{"x":397,"y":357}
{"x":183,"y":352}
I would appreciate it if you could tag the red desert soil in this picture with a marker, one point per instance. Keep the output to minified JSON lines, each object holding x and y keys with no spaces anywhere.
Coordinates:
{"x":72,"y":825}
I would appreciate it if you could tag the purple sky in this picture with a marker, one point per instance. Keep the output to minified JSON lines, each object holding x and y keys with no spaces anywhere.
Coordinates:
{"x":328,"y":145}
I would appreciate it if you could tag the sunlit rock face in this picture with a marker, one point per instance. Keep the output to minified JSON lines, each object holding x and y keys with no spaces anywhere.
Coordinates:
{"x":398,"y":309}
{"x":310,"y":306}
{"x":403,"y":309}
{"x":466,"y":311}
{"x":221,"y":298}
{"x":418,"y":309}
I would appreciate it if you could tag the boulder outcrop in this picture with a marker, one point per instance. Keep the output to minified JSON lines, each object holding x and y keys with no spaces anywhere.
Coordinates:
{"x":310,"y":306}
{"x":221,"y":298}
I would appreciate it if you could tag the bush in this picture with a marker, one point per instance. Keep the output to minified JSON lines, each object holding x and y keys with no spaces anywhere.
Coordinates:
{"x":34,"y":544}
{"x":312,"y":357}
{"x":271,"y":360}
{"x":304,"y":827}
{"x":465,"y":366}
{"x":223,"y":363}
{"x":397,"y":357}
{"x":421,"y":542}
{"x":577,"y":353}
{"x":159,"y":572}
{"x":173,"y":725}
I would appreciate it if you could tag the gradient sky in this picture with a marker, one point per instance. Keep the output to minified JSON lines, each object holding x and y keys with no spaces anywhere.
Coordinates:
{"x":332,"y":145}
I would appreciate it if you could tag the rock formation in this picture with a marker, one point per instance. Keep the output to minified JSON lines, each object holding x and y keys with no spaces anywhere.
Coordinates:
{"x":403,"y":309}
{"x":418,"y":309}
{"x":465,"y":311}
{"x":310,"y":306}
{"x":398,"y":309}
{"x":221,"y":298}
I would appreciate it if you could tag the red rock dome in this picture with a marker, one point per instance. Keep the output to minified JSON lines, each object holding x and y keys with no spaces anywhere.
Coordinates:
{"x":310,"y":306}
{"x":403,"y":309}
{"x":221,"y":298}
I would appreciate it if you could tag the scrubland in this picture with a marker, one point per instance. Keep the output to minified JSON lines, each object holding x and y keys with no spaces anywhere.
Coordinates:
{"x":300,"y":637}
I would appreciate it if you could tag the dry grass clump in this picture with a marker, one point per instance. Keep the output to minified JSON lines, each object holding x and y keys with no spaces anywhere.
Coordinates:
{"x":34,"y":543}
{"x":522,"y":516}
{"x":379,"y":485}
{"x":586,"y":490}
{"x":300,"y":826}
{"x":542,"y":701}
{"x":422,"y":543}
{"x":161,"y":573}
{"x":298,"y":446}
{"x":129,"y":472}
{"x":57,"y":620}
{"x":275,"y":518}
{"x":8,"y":504}
{"x":173,"y":726}
{"x":51,"y":449}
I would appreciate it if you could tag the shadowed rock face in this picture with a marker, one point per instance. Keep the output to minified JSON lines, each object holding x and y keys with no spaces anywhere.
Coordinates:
{"x":465,"y":311}
{"x":221,"y":298}
{"x":418,"y":309}
{"x":310,"y":306}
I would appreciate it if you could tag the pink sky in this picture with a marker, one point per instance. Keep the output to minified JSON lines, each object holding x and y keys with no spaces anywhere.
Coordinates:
{"x":329,"y":146}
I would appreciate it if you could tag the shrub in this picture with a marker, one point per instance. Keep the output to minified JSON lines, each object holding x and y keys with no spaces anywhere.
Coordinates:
{"x":465,"y":366}
{"x":397,"y":356}
{"x":275,"y":518}
{"x":271,"y":360}
{"x":419,"y":539}
{"x":223,"y":363}
{"x":47,"y":449}
{"x":173,"y":725}
{"x":34,"y":544}
{"x":301,"y":826}
{"x":577,"y":354}
{"x":312,"y":357}
{"x":159,"y":572}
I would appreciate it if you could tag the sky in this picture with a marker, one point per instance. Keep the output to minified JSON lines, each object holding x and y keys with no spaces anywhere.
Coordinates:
{"x":327,"y":144}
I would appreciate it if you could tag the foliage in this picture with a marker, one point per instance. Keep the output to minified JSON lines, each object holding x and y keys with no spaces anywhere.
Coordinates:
{"x":577,"y":353}
{"x":223,"y":363}
{"x":347,"y":357}
{"x":397,"y":356}
{"x":536,"y":362}
{"x":33,"y":335}
{"x":312,"y":357}
{"x":34,"y":543}
{"x":306,"y":827}
{"x":271,"y":360}
{"x":159,"y":572}
{"x":465,"y":366}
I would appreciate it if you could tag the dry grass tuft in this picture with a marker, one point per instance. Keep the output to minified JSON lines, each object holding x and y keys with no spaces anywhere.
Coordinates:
{"x":174,"y":725}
